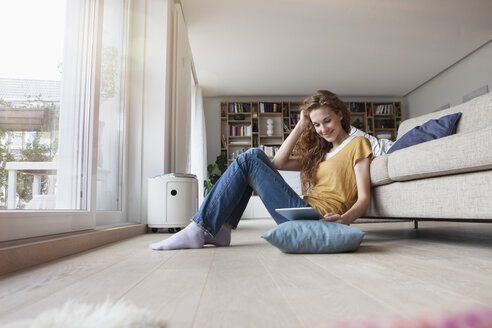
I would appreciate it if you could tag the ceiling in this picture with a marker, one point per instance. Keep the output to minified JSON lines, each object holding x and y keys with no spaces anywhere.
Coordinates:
{"x":351,"y":47}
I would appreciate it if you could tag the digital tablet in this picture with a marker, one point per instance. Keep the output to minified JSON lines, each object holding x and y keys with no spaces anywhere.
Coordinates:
{"x":299,"y":213}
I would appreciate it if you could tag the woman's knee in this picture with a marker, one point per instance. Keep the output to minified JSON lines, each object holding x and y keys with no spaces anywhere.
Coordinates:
{"x":253,"y":153}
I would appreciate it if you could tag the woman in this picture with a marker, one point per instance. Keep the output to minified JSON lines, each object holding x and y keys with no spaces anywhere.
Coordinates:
{"x":334,"y":173}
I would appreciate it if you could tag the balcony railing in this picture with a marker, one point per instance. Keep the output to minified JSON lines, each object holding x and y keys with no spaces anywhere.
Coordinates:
{"x":37,"y":169}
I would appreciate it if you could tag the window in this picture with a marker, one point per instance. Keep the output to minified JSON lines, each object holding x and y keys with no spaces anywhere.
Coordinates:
{"x":49,"y":104}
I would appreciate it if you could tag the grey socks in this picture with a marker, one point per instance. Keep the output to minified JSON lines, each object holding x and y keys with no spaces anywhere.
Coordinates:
{"x":190,"y":237}
{"x":222,"y":238}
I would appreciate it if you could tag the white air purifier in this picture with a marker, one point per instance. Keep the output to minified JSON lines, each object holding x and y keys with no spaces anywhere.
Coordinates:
{"x":171,"y":202}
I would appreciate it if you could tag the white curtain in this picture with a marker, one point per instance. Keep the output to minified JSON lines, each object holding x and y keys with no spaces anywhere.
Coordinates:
{"x":198,"y":142}
{"x":182,"y":95}
{"x":77,"y":94}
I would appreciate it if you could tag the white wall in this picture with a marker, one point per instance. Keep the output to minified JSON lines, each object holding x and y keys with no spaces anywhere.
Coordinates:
{"x":449,"y":87}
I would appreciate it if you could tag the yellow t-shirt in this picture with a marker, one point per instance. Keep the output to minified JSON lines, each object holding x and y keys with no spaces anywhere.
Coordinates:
{"x":335,"y":190}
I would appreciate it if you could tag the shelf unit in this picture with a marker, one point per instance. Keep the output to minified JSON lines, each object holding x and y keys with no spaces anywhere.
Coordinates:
{"x":245,"y":124}
{"x":380,"y":119}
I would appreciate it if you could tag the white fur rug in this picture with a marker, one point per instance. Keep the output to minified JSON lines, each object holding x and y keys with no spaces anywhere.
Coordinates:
{"x":107,"y":315}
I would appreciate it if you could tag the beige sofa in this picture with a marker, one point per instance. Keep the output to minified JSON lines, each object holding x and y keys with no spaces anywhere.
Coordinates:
{"x":448,"y":178}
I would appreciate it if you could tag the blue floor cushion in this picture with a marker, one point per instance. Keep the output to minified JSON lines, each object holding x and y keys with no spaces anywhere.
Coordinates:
{"x":314,"y":236}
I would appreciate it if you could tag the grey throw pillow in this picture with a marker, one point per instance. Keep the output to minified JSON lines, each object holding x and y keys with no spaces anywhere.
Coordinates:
{"x":314,"y":236}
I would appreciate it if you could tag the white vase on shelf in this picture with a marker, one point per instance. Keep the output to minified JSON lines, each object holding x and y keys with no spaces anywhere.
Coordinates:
{"x":269,"y":124}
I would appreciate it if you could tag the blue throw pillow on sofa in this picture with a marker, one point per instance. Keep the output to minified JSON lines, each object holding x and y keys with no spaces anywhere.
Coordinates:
{"x":430,"y":130}
{"x":314,"y":236}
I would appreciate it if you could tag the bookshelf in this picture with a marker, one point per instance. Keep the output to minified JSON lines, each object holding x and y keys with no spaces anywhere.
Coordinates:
{"x":380,"y":119}
{"x":267,"y":124}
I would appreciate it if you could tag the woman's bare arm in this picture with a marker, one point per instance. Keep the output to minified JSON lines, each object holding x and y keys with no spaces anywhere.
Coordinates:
{"x":281,"y":161}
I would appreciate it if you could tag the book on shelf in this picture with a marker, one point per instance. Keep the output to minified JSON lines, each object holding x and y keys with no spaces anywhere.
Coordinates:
{"x":285,"y":108}
{"x":224,"y":142}
{"x":384,"y":123}
{"x":398,"y":110}
{"x":356,"y":107}
{"x":255,"y":141}
{"x":386,"y":109}
{"x":286,"y":127}
{"x":238,"y":142}
{"x":240,"y":130}
{"x":270,"y":150}
{"x":239,"y":108}
{"x":270,"y":108}
{"x":295,"y":118}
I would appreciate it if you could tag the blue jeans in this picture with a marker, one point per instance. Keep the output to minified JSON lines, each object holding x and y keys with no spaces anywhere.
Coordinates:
{"x":228,"y":198}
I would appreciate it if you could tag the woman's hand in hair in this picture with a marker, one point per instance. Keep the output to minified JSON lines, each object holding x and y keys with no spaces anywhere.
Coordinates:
{"x":332,"y":217}
{"x":304,"y":120}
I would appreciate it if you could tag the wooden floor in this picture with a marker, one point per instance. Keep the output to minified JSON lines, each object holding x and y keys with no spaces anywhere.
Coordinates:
{"x":397,"y":273}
